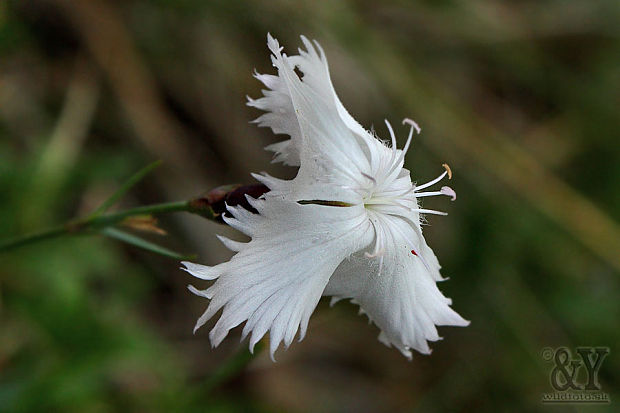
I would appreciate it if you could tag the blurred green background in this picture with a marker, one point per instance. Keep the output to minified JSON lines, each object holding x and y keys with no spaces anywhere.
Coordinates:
{"x":521,"y":98}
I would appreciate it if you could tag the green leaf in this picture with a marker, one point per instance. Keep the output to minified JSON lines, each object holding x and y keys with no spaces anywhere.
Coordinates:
{"x":116,"y":196}
{"x":146,"y":245}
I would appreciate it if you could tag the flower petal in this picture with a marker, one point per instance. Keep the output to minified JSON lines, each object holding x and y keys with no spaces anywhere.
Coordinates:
{"x":277,"y":101}
{"x":280,"y":117}
{"x":403,"y":299}
{"x":276,"y":280}
{"x":334,"y":151}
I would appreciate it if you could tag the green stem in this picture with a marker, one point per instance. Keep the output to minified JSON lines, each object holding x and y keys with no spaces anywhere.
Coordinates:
{"x":95,"y":223}
{"x":34,"y":237}
{"x":111,"y":219}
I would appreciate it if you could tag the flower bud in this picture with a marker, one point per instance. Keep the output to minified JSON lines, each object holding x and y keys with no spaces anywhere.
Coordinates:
{"x":212,"y":205}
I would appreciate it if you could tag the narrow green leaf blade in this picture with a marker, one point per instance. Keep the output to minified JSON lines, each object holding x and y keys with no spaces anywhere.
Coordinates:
{"x":144,"y":244}
{"x":127,"y":185}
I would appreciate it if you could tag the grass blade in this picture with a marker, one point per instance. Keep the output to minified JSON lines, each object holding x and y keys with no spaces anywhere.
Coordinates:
{"x":127,"y":185}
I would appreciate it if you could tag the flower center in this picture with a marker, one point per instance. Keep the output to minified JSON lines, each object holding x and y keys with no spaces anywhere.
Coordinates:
{"x":390,"y":192}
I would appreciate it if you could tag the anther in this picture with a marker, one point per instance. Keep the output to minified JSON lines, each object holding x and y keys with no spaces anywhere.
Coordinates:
{"x":408,"y":121}
{"x":446,"y":190}
{"x":447,"y":168}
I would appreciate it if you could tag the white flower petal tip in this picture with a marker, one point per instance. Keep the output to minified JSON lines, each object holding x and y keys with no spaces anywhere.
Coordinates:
{"x":232,"y":245}
{"x":199,"y":293}
{"x":203,"y":272}
{"x":201,"y":321}
{"x":334,"y":300}
{"x":461,"y":322}
{"x":348,"y":226}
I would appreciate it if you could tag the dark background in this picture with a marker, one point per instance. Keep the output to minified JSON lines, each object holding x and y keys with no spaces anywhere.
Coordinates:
{"x":521,"y":98}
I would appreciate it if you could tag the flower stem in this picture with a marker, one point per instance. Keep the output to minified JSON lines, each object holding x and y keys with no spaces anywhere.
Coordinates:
{"x":211,"y":206}
{"x":34,"y":237}
{"x":96,"y":223}
{"x":114,"y":218}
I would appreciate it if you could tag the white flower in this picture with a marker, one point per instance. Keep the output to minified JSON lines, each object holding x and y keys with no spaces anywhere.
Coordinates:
{"x":347,"y":226}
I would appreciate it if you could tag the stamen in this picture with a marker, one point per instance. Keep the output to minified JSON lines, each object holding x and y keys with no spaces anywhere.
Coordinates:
{"x":429,"y":211}
{"x":425,"y":194}
{"x":445,"y":190}
{"x":394,"y":148}
{"x":420,"y":210}
{"x":394,"y":164}
{"x":387,"y":175}
{"x":392,"y":136}
{"x":406,"y":148}
{"x":433,"y":182}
